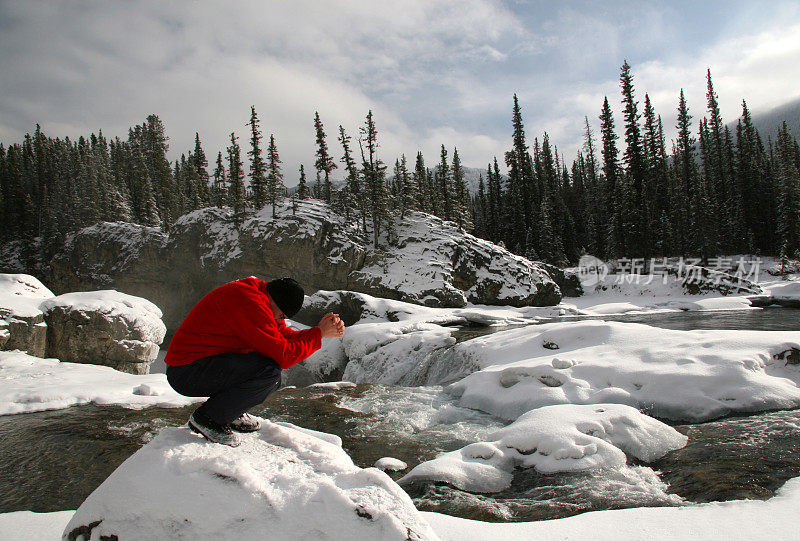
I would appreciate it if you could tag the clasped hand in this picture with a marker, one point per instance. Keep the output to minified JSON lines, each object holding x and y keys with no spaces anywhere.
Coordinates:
{"x":331,"y":325}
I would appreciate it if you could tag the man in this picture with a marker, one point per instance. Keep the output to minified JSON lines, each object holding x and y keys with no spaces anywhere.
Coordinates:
{"x":232,"y":348}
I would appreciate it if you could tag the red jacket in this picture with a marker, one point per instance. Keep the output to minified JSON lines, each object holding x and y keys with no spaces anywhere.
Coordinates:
{"x":236,"y":318}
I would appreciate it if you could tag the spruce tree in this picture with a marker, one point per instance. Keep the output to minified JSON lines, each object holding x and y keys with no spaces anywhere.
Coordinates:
{"x":324,"y":163}
{"x":635,"y":215}
{"x":302,"y":186}
{"x":613,"y":190}
{"x":787,"y":170}
{"x":258,"y":178}
{"x":275,"y":186}
{"x":373,"y":171}
{"x":461,"y":196}
{"x":200,"y":163}
{"x":420,"y":191}
{"x":443,"y":189}
{"x":354,"y":191}
{"x":219,"y":191}
{"x":688,"y":201}
{"x":236,"y":192}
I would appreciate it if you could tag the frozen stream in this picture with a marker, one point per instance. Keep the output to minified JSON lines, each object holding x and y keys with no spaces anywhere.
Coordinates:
{"x":738,"y":457}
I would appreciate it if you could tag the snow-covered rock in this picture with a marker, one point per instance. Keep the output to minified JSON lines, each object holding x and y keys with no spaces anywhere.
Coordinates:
{"x":553,"y":439}
{"x":390,"y":463}
{"x":426,"y":260}
{"x":104,"y":327}
{"x":34,"y":384}
{"x":681,"y":375}
{"x":22,"y":323}
{"x":283,"y":482}
{"x":433,"y":263}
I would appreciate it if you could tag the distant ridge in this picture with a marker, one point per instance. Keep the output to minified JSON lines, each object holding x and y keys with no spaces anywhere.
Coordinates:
{"x":768,"y":122}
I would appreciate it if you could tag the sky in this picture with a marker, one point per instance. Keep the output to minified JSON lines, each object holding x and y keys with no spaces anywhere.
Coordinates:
{"x":433,"y":72}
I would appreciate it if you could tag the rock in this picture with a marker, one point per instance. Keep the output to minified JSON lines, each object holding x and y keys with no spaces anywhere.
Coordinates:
{"x":568,"y":282}
{"x":283,"y":482}
{"x":22,"y":324}
{"x":427,"y":261}
{"x":104,"y":327}
{"x":435,"y":264}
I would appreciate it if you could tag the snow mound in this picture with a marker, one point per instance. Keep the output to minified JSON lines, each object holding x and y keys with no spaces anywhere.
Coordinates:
{"x":283,"y":482}
{"x":140,"y":314}
{"x":21,"y":294}
{"x":681,"y":375}
{"x":390,"y":463}
{"x":554,"y":439}
{"x":34,"y":384}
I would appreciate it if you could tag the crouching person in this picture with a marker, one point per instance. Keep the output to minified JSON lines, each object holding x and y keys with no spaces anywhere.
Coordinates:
{"x":232,"y":348}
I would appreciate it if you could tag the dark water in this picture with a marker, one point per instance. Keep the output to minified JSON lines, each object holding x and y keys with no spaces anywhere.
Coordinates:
{"x":53,"y":460}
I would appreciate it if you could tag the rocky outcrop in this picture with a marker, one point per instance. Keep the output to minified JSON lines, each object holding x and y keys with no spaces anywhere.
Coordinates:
{"x":423,"y":260}
{"x":22,"y":324}
{"x":104,"y":327}
{"x":283,"y":482}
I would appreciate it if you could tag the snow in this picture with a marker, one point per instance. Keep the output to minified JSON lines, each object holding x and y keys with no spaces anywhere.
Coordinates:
{"x":680,"y":375}
{"x":34,"y":384}
{"x":776,"y":518}
{"x":553,"y":439}
{"x":138,"y":313}
{"x":21,"y":295}
{"x":29,"y":526}
{"x":390,"y":463}
{"x":282,"y":482}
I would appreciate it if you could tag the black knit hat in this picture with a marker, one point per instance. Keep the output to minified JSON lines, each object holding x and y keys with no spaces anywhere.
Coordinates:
{"x":287,"y":294}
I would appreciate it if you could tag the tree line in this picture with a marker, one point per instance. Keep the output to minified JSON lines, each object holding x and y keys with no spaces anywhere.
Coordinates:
{"x":714,"y":192}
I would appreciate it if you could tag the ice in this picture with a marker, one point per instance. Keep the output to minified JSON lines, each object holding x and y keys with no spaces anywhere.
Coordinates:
{"x":680,"y":375}
{"x":553,"y":439}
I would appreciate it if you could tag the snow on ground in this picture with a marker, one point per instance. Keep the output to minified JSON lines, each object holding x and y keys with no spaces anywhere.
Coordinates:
{"x":21,"y":295}
{"x":282,"y":482}
{"x":138,"y":313}
{"x":681,"y":375}
{"x":34,"y":384}
{"x":553,"y":439}
{"x":776,"y":518}
{"x":29,"y":526}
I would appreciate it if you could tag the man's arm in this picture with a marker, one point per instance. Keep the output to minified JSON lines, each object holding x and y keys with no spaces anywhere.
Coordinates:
{"x":273,"y":339}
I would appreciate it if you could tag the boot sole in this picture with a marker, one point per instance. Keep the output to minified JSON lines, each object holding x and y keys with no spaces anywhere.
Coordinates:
{"x":198,"y":430}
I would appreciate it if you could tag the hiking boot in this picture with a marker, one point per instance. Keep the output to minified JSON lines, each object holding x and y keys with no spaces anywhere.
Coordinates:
{"x":212,"y":431}
{"x":245,"y":423}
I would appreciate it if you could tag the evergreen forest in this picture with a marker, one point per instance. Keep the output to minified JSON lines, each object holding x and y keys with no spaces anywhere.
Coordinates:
{"x":627,"y":193}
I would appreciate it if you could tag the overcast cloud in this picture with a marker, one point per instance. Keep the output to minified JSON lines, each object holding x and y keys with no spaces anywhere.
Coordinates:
{"x":433,"y":71}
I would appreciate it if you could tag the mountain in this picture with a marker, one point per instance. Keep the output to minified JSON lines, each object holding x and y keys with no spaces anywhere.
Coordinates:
{"x":768,"y":122}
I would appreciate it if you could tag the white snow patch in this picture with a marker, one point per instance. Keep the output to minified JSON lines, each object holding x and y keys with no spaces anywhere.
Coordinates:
{"x":282,"y":482}
{"x":776,"y":518}
{"x":34,"y":384}
{"x":682,"y":375}
{"x":553,"y":439}
{"x":390,"y":464}
{"x":21,"y":295}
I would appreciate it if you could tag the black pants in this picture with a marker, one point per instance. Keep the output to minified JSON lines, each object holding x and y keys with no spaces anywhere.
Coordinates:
{"x":234,"y":382}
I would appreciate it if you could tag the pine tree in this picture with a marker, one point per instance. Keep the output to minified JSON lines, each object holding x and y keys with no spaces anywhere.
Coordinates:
{"x":613,"y":190}
{"x":275,"y":186}
{"x":324,"y":162}
{"x":420,"y":191}
{"x":461,"y":197}
{"x":688,"y":201}
{"x":373,"y":172}
{"x":236,"y":192}
{"x":258,"y":179}
{"x":219,"y":191}
{"x":787,"y":169}
{"x":443,"y":191}
{"x":200,"y":162}
{"x":153,"y":140}
{"x":354,"y":191}
{"x":635,"y":216}
{"x":302,"y":186}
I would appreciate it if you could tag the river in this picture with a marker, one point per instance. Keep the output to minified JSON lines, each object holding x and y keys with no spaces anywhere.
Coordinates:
{"x":52,"y":460}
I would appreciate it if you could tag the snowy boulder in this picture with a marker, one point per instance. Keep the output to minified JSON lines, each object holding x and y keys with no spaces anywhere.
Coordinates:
{"x":22,"y":324}
{"x":553,"y":439}
{"x":432,"y":262}
{"x":283,"y":482}
{"x":680,"y":375}
{"x":104,"y":327}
